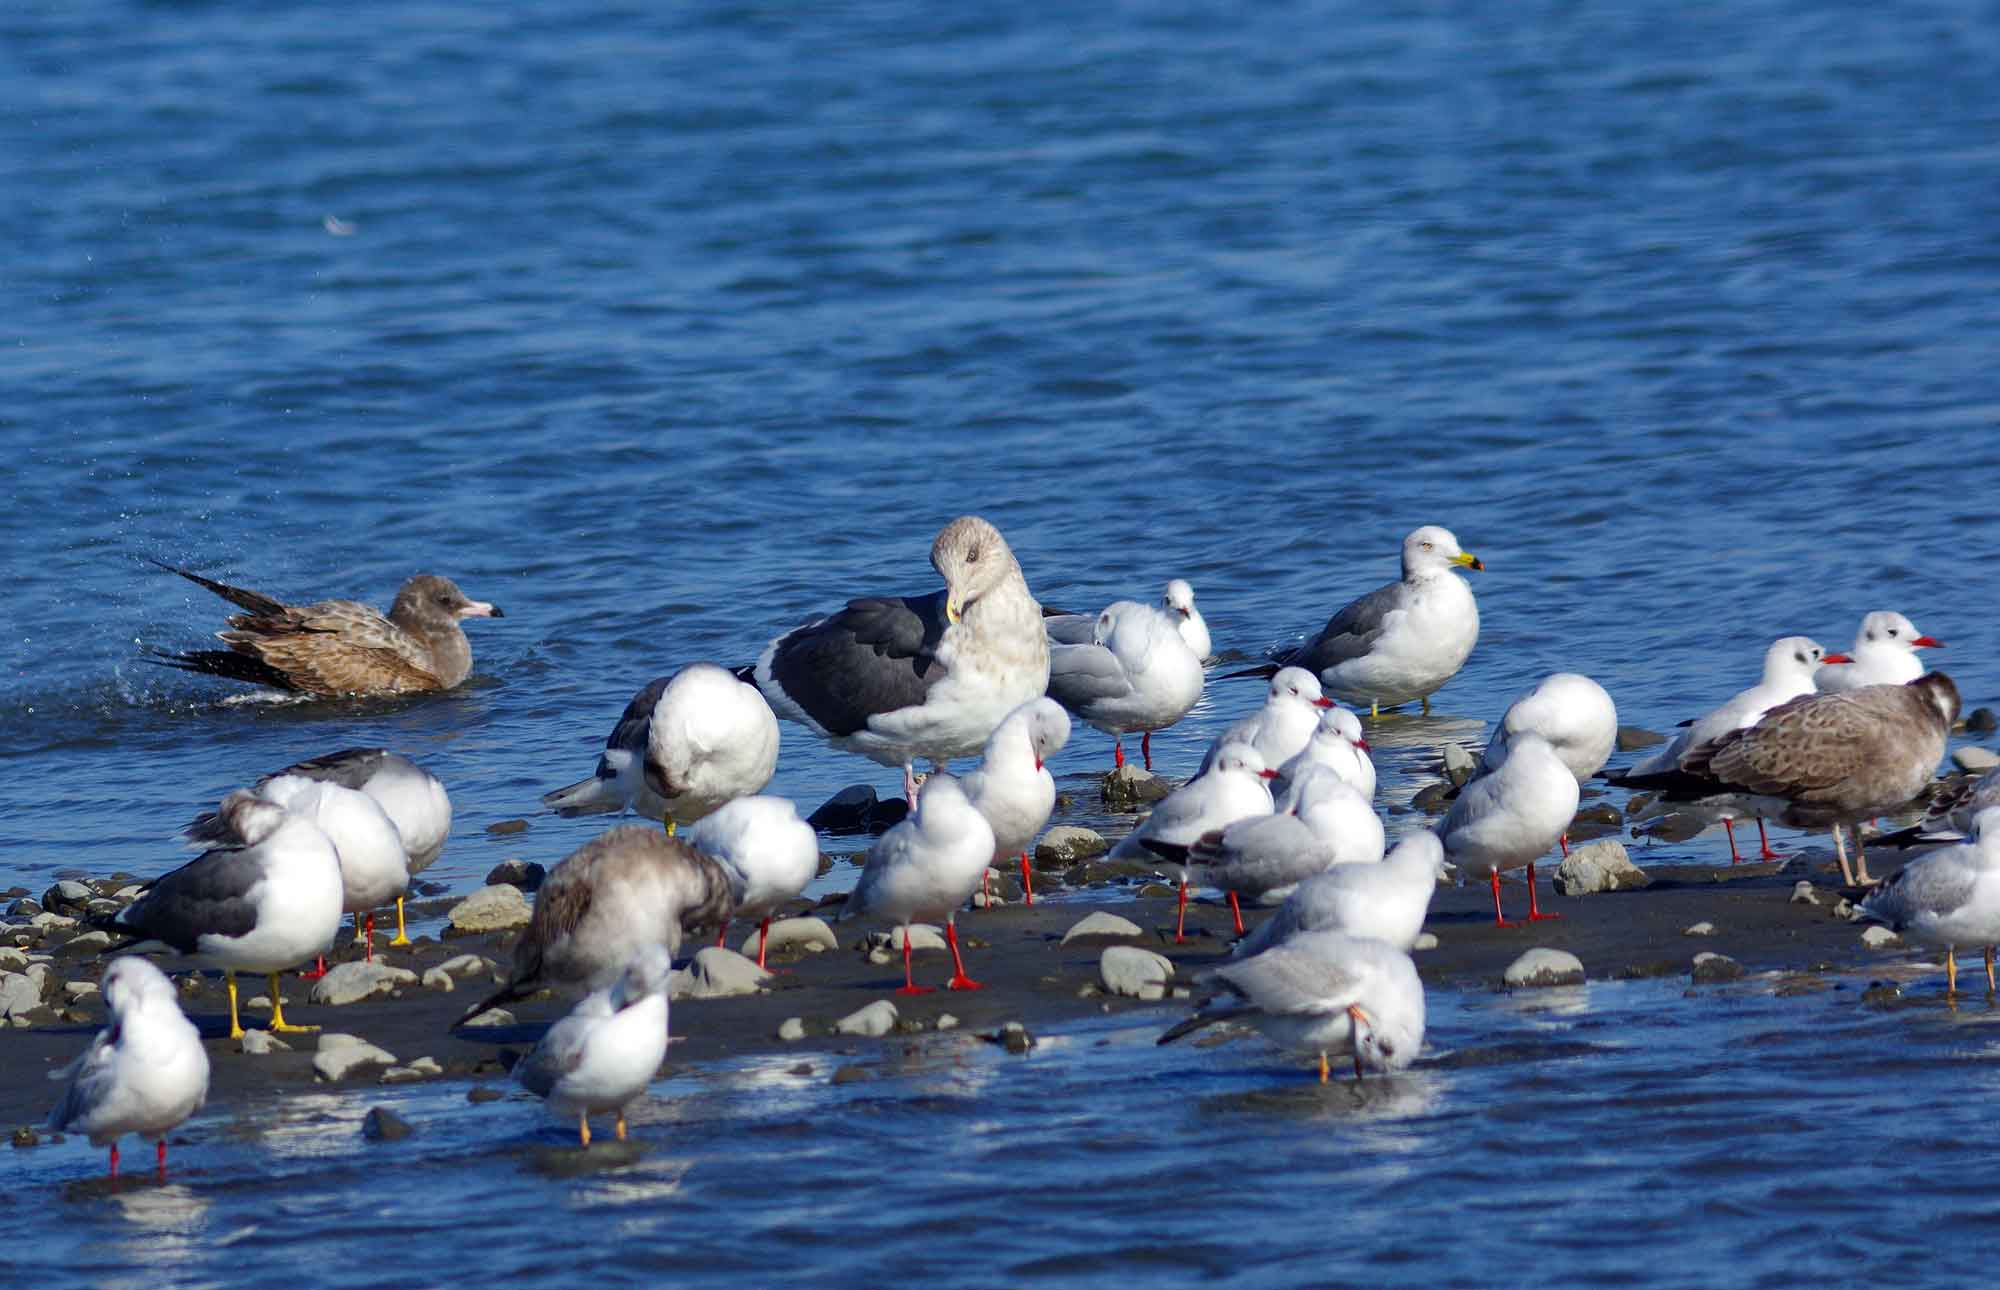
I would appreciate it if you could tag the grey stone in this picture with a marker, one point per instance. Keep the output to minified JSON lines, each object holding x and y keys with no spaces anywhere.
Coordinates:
{"x":1541,"y":967}
{"x":524,"y":874}
{"x":1135,"y":973}
{"x":1878,"y":937}
{"x":1699,"y":929}
{"x":946,"y":1021}
{"x":18,"y":994}
{"x":439,"y":979}
{"x":1433,"y":799}
{"x":792,"y":1028}
{"x":1803,"y":893}
{"x":261,"y":1042}
{"x":91,"y":942}
{"x":479,"y":1093}
{"x":1457,"y":764}
{"x":469,"y":965}
{"x":129,"y":893}
{"x":884,"y":947}
{"x":1069,"y":843}
{"x":718,"y":973}
{"x":506,"y":828}
{"x":1711,"y":968}
{"x":67,"y":897}
{"x":1982,"y":721}
{"x":490,"y":1017}
{"x":52,"y":922}
{"x":490,"y":909}
{"x":1600,"y":866}
{"x":12,"y":960}
{"x":878,"y":1018}
{"x":807,"y":933}
{"x":1633,"y":738}
{"x":1425,"y":941}
{"x":1975,"y":759}
{"x":1014,"y":1037}
{"x":75,"y":990}
{"x":1131,"y":786}
{"x":340,"y":1055}
{"x":351,"y":982}
{"x":383,"y":1125}
{"x":1101,"y":924}
{"x":856,"y":810}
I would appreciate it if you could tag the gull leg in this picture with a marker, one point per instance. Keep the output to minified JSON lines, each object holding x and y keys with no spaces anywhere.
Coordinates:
{"x":1840,"y":853}
{"x":369,"y":953}
{"x":357,"y":927}
{"x":959,"y":980}
{"x":910,"y":784}
{"x":1764,"y":851}
{"x":160,"y":1152}
{"x":1027,"y":882}
{"x":1729,"y":827}
{"x":402,"y":932}
{"x":722,"y":933}
{"x":1861,"y":861}
{"x":1117,"y":752}
{"x":1323,"y":1072}
{"x":114,"y":1160}
{"x":763,"y":938}
{"x":1236,"y":912}
{"x":583,"y":1127}
{"x":1180,"y":917}
{"x":1562,"y":839}
{"x":235,"y":1026}
{"x":1355,"y":1018}
{"x":318,"y":970}
{"x":1950,"y":970}
{"x":1990,"y":987}
{"x":620,"y":1128}
{"x":670,"y":833}
{"x":1374,"y":711}
{"x":278,"y":1025}
{"x":1146,"y":748}
{"x":909,"y":986}
{"x":1427,"y":711}
{"x":1535,"y":914}
{"x":1498,"y":919}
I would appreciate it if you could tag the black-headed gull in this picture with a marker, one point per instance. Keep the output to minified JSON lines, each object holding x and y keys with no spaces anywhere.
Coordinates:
{"x":145,"y":1073}
{"x":1012,"y":786}
{"x":924,"y":869}
{"x":1134,"y":674}
{"x":604,"y":1052}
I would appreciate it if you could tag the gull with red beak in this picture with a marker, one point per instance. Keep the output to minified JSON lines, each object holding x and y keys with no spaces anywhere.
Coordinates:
{"x":1337,"y":745}
{"x":1236,"y":787}
{"x":1279,"y":730}
{"x":1012,"y":787}
{"x":1884,"y":653}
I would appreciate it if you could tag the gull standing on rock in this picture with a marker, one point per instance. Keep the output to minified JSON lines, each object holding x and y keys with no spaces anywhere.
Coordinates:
{"x":1510,"y":817}
{"x":1572,"y":712}
{"x":264,"y":901}
{"x":618,"y":893}
{"x":336,"y":648}
{"x":1789,"y":667}
{"x":1402,"y":641}
{"x":1012,"y":786}
{"x":899,"y":678}
{"x":1387,"y":901}
{"x":1884,"y":653}
{"x":145,"y":1073}
{"x":924,"y":869}
{"x":769,"y":853}
{"x":685,"y":744}
{"x":1328,"y":993}
{"x":1825,"y":760}
{"x":1236,"y":787}
{"x":1135,"y":674}
{"x":1948,"y":898}
{"x":1282,"y":728}
{"x":1337,"y":745}
{"x":607,"y":1049}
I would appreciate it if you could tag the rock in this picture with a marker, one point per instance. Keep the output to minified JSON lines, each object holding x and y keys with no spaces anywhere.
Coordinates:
{"x":1711,"y":968}
{"x":438,"y":979}
{"x":1457,"y":764}
{"x":523,"y":874}
{"x":1541,"y":967}
{"x":1981,"y":721}
{"x":259,"y":1043}
{"x":718,"y":973}
{"x":340,"y":1055}
{"x":91,"y":942}
{"x":1101,"y":924}
{"x":946,"y":1021}
{"x":1130,"y":787}
{"x":1878,"y":937}
{"x":1882,"y":994}
{"x":878,"y":1018}
{"x":884,"y":947}
{"x":24,"y":908}
{"x":490,"y":909}
{"x":856,"y":810}
{"x":490,"y":1017}
{"x":807,"y":933}
{"x":1598,"y":820}
{"x":352,"y":982}
{"x":1014,"y":1037}
{"x":1600,"y":866}
{"x":1975,"y":759}
{"x":1433,"y":799}
{"x":52,"y":922}
{"x":1425,"y":941}
{"x":1066,"y":844}
{"x":1803,"y":894}
{"x":505,"y":828}
{"x":479,"y":1093}
{"x":75,"y":990}
{"x":1135,"y":973}
{"x":792,"y":1028}
{"x":1699,"y":929}
{"x":383,"y":1125}
{"x":468,"y":965}
{"x":129,"y":893}
{"x":852,"y":1073}
{"x":1843,"y":909}
{"x":18,"y":994}
{"x":1633,"y":738}
{"x":67,"y":897}
{"x":12,"y":960}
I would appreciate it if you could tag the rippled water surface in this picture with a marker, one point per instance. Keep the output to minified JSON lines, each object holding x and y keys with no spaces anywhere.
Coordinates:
{"x":665,"y":327}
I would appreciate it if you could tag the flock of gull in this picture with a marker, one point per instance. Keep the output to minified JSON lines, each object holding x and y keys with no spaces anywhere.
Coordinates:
{"x":1280,"y":813}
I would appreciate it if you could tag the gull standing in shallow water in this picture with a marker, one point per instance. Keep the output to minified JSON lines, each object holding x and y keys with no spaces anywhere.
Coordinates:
{"x":1510,"y":817}
{"x":925,"y":868}
{"x":898,"y":678}
{"x":1572,"y":712}
{"x":1012,"y":786}
{"x":1948,"y":898}
{"x":1402,"y":641}
{"x":145,"y":1073}
{"x":1884,"y":653}
{"x":1328,"y":993}
{"x":1236,"y":787}
{"x":607,"y":1049}
{"x":266,"y":900}
{"x":1135,"y":673}
{"x":769,"y":853}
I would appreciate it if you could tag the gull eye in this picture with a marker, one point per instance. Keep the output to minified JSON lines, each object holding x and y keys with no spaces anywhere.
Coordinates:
{"x":1892,"y":631}
{"x":972,"y":555}
{"x":1427,"y":546}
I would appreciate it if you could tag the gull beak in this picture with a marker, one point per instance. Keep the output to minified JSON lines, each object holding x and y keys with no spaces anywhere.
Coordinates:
{"x":1360,"y":1019}
{"x":1267,"y":773}
{"x":1322,"y":702}
{"x":1038,"y":763}
{"x":1362,"y":744}
{"x":1469,"y":560}
{"x":1836,"y":658}
{"x":480,"y":609}
{"x":1925,"y":642}
{"x":952,"y":609}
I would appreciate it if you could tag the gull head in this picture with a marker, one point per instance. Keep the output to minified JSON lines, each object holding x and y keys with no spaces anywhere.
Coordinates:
{"x":972,"y":558}
{"x":1432,"y":549}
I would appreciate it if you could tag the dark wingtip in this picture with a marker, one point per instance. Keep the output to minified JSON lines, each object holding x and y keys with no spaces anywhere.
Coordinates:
{"x":1263,"y":672}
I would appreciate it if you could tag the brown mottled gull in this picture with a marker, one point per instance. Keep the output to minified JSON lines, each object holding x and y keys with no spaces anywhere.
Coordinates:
{"x":337,"y":648}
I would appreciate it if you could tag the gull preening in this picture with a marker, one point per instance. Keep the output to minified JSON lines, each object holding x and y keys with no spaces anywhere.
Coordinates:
{"x":1572,"y":712}
{"x":1387,"y":901}
{"x":898,"y":678}
{"x":769,"y":853}
{"x":1327,"y":993}
{"x":1135,"y":674}
{"x":145,"y":1073}
{"x":1510,"y":817}
{"x":924,"y":869}
{"x":607,"y":1049}
{"x":1012,"y":786}
{"x":335,"y":648}
{"x":1884,"y":653}
{"x":1948,"y":898}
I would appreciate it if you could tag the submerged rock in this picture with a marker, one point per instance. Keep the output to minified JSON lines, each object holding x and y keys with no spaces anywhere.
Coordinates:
{"x":1709,"y":969}
{"x":383,"y":1125}
{"x":1541,"y":967}
{"x":524,"y":874}
{"x":340,"y":1055}
{"x":1130,"y":787}
{"x":1600,"y":866}
{"x":857,"y":810}
{"x":1633,"y":738}
{"x":1067,"y":843}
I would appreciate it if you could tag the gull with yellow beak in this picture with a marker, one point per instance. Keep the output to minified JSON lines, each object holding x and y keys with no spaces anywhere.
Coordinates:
{"x":1402,"y":641}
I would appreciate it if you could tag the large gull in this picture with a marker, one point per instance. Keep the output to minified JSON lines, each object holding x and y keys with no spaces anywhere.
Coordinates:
{"x":769,"y":853}
{"x":1884,"y":653}
{"x":342,"y":647}
{"x":1327,"y":993}
{"x":1136,"y":673}
{"x":1401,"y":641}
{"x":1387,"y":901}
{"x":264,"y":901}
{"x":1948,"y":898}
{"x":145,"y":1073}
{"x":604,"y":1052}
{"x":685,"y":744}
{"x":898,"y":678}
{"x":1510,"y":817}
{"x":924,"y":869}
{"x":1012,"y":786}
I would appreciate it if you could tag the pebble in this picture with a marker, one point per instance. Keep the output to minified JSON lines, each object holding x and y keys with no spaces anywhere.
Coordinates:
{"x":466,"y":965}
{"x":1425,"y":941}
{"x":1014,"y":1037}
{"x":25,"y":1137}
{"x":1803,"y":893}
{"x":76,"y":990}
{"x":1597,"y":867}
{"x":383,"y":1125}
{"x":886,"y":947}
{"x":946,"y":1021}
{"x":12,"y":960}
{"x":339,"y":1055}
{"x":1700,"y":929}
{"x":1878,"y":937}
{"x":1135,"y":973}
{"x":422,"y":1068}
{"x":352,"y":982}
{"x":1975,"y":759}
{"x":1710,"y":968}
{"x":807,"y":933}
{"x":483,"y":1093}
{"x":18,"y":994}
{"x":438,"y":979}
{"x":1982,"y":721}
{"x":878,"y":1018}
{"x":259,"y":1043}
{"x":1068,"y":843}
{"x":718,"y":973}
{"x":1457,"y":764}
{"x":857,"y":810}
{"x":1433,"y":799}
{"x":505,"y":828}
{"x":792,"y":1028}
{"x":1540,"y":967}
{"x":1633,"y":738}
{"x":852,"y":1074}
{"x":1101,"y":924}
{"x":517,"y":873}
{"x":128,"y":894}
{"x":1130,"y":786}
{"x":490,"y":909}
{"x":490,"y":1017}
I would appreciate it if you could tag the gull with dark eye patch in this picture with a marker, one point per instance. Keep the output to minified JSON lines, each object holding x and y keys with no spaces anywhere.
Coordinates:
{"x":1884,"y":653}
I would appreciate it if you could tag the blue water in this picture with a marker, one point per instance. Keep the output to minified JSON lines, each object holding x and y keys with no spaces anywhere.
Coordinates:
{"x":667,"y":327}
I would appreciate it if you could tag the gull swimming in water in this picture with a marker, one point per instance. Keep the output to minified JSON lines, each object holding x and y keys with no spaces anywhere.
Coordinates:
{"x":1947,"y":898}
{"x":1134,"y":674}
{"x":145,"y":1073}
{"x":1884,"y":653}
{"x":605,"y":1051}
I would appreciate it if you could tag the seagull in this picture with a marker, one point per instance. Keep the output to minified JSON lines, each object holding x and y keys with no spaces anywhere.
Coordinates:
{"x":1884,"y":653}
{"x":1329,"y":993}
{"x":769,"y":853}
{"x":1789,"y":667}
{"x":1136,"y":673}
{"x":338,"y":648}
{"x":925,"y":868}
{"x":1572,"y":712}
{"x":623,"y":890}
{"x":1012,"y":786}
{"x":1955,"y":803}
{"x":1236,"y":787}
{"x":145,"y":1073}
{"x":1947,"y":898}
{"x":686,"y":744}
{"x":899,"y":678}
{"x":1387,"y":901}
{"x":1280,"y":729}
{"x":1825,"y":760}
{"x":607,"y":1049}
{"x":1177,"y":601}
{"x":1402,"y":641}
{"x":1336,"y":744}
{"x":262,"y":902}
{"x":1511,"y":817}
